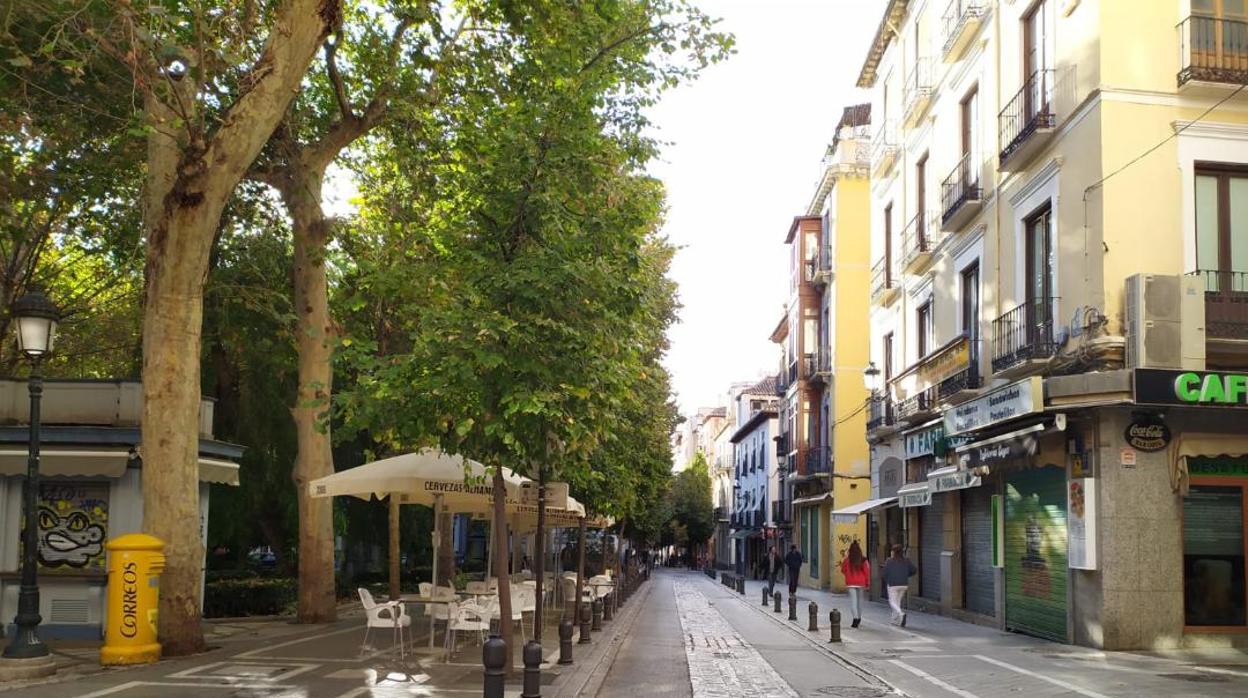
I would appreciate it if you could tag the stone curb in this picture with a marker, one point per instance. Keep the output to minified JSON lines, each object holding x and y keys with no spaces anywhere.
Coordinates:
{"x":591,"y":672}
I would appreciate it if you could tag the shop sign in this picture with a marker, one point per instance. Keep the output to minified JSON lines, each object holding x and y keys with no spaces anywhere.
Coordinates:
{"x":1016,"y":448}
{"x":960,"y":480}
{"x":946,"y":363}
{"x":917,"y":497}
{"x":1217,"y":467}
{"x":1081,"y":523}
{"x":1126,"y":457}
{"x":1012,"y":401}
{"x":1147,"y":435}
{"x":1191,"y":388}
{"x":925,"y":442}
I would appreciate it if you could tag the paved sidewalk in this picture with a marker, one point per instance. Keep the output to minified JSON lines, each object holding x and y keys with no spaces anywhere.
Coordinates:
{"x":938,"y":656}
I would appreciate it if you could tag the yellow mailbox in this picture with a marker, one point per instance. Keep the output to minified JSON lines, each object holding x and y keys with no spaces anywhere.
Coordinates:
{"x":134,"y":566}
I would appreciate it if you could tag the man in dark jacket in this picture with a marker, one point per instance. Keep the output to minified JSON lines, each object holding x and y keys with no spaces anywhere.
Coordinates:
{"x":774,"y":563}
{"x":794,"y":562}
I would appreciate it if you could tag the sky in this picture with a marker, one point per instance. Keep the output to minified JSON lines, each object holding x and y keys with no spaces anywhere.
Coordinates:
{"x":745,"y":143}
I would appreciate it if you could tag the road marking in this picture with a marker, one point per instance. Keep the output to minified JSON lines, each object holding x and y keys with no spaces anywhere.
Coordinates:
{"x":311,"y":636}
{"x":174,"y":684}
{"x":237,"y":670}
{"x":932,"y":679}
{"x":1056,"y":682}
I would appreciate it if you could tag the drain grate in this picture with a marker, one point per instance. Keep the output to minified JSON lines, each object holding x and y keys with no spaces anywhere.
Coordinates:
{"x":1197,"y":678}
{"x":851,"y":692}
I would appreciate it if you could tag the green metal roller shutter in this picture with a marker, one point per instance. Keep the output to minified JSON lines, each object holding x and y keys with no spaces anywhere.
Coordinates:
{"x":1035,"y":552}
{"x":931,"y":541}
{"x":978,"y":576}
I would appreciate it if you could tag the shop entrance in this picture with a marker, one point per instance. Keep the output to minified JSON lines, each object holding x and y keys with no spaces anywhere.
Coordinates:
{"x":1214,"y":591}
{"x":1035,"y":552}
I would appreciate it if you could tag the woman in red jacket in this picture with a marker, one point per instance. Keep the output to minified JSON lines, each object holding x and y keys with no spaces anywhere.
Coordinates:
{"x":857,"y":571}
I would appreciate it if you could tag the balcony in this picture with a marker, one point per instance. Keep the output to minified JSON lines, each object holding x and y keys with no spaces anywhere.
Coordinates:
{"x":1028,"y":121}
{"x":781,"y":386}
{"x":884,"y":149}
{"x":721,"y":513}
{"x":963,"y":385}
{"x":960,"y":24}
{"x":960,"y":196}
{"x":1226,"y":304}
{"x":879,"y":413}
{"x":918,"y":241}
{"x":917,"y":96}
{"x":823,"y":275}
{"x":1022,"y":339}
{"x":810,"y":270}
{"x":779,"y":513}
{"x":917,"y":408}
{"x":818,"y":461}
{"x":883,"y":283}
{"x":782,"y":445}
{"x":1212,"y":52}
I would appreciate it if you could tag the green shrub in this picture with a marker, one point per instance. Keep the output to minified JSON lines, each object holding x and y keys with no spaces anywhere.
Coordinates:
{"x":249,"y":596}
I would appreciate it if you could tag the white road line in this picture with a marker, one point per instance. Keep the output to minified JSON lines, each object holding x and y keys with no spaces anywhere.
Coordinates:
{"x":1056,"y":682}
{"x":933,"y":680}
{"x":115,"y":689}
{"x":315,"y":636}
{"x":172,"y":684}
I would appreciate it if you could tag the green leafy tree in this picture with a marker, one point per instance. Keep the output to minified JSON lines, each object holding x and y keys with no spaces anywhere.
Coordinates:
{"x":692,"y":508}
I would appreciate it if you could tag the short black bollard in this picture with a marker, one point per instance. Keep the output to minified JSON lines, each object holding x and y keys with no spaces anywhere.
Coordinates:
{"x":532,"y":670}
{"x":813,"y":608}
{"x":565,"y":641}
{"x":834,"y":619}
{"x":792,"y":607}
{"x":597,"y":615}
{"x":765,"y":595}
{"x":776,"y":598}
{"x":741,"y":586}
{"x":607,"y":602}
{"x":494,"y":656}
{"x":585,"y":624}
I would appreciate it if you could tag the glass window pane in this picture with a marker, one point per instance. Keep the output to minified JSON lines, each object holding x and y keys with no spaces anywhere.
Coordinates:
{"x":1239,"y":223}
{"x":1213,"y":556}
{"x":1203,"y":6}
{"x":1206,"y":222}
{"x":1230,"y":8}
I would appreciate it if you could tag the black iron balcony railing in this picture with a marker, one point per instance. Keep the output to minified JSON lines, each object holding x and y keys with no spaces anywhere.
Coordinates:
{"x":1226,"y":303}
{"x":826,"y":259}
{"x":721,"y":513}
{"x":884,"y":146}
{"x":959,"y":188}
{"x":1213,"y":50}
{"x":959,"y":13}
{"x":1023,"y":334}
{"x":782,"y":445}
{"x":779,"y":513}
{"x":810,"y":268}
{"x":918,"y":89}
{"x":818,"y":460}
{"x":919,"y":404}
{"x":917,"y":239}
{"x":967,"y":379}
{"x":1030,"y":110}
{"x":881,"y":278}
{"x":880,"y":412}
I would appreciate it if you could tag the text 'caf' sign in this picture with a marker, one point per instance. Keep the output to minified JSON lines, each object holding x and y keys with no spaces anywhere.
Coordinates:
{"x":1147,"y":435}
{"x":1190,"y":388}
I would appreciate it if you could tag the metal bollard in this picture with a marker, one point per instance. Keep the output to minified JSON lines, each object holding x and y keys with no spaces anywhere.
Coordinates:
{"x":532,"y":670}
{"x":834,"y":619}
{"x":494,"y":656}
{"x":813,"y":608}
{"x":765,"y":595}
{"x":741,"y":586}
{"x":585,"y":624}
{"x":776,"y":598}
{"x":792,"y":607}
{"x":565,"y":641}
{"x":607,"y":612}
{"x":596,"y":609}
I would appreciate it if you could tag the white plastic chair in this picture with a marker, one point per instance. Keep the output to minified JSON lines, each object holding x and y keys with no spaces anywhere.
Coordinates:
{"x":601,"y":585}
{"x":523,"y":600}
{"x":469,"y":616}
{"x":392,"y":614}
{"x":426,"y":589}
{"x":477,"y":588}
{"x":491,"y":584}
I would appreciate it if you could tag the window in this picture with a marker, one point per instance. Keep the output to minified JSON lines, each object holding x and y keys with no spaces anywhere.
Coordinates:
{"x":920,"y":199}
{"x":1219,"y":34}
{"x":888,"y":359}
{"x":1039,"y":271}
{"x":970,"y":304}
{"x":1038,"y":54}
{"x":888,"y":246}
{"x":1222,"y":226}
{"x":924,"y":329}
{"x":970,"y":139}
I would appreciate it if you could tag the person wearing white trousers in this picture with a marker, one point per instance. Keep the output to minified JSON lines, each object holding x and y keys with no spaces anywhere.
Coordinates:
{"x":857,"y":572}
{"x":897,"y":573}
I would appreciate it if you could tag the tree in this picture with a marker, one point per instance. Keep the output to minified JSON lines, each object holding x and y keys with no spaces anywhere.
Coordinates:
{"x":692,"y":508}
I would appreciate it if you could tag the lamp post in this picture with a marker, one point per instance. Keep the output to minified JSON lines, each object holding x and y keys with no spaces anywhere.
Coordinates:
{"x":871,"y":377}
{"x":36,"y":318}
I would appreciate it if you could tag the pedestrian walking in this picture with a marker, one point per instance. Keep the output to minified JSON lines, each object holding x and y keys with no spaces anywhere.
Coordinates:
{"x":857,"y":570}
{"x":794,"y":562}
{"x":774,"y":563}
{"x":897,"y":573}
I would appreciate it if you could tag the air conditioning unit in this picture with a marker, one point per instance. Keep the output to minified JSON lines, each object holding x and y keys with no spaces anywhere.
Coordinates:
{"x":1165,"y":322}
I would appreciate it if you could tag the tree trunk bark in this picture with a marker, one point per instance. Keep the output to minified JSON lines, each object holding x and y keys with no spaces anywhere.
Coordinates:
{"x":395,"y":586}
{"x":506,"y":626}
{"x":446,"y":550}
{"x":314,"y":335}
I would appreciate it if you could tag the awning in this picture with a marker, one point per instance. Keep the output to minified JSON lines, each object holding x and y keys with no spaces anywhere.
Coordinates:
{"x":813,"y":499}
{"x":1022,"y":443}
{"x":740,"y":535}
{"x":221,"y":472}
{"x":1187,"y":445}
{"x":849,"y":514}
{"x":954,"y":478}
{"x":101,"y":462}
{"x":915,"y":494}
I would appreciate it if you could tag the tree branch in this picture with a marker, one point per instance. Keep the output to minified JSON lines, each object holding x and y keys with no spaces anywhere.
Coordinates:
{"x":602,"y":52}
{"x":335,"y":79}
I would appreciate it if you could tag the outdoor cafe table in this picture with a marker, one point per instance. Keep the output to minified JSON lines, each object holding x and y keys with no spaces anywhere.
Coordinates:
{"x":426,"y":601}
{"x":598,"y":594}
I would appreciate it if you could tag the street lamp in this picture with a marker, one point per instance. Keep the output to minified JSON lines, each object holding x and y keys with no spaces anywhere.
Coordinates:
{"x":871,"y":377}
{"x":36,"y":318}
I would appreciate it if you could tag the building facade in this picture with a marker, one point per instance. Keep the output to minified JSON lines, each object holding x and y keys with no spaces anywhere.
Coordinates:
{"x":757,"y":482}
{"x":1058,"y":314}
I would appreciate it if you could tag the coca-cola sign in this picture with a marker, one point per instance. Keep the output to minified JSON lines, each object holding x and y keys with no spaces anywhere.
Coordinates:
{"x":1147,"y":435}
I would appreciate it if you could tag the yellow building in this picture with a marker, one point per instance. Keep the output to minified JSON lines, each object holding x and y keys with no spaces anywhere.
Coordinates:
{"x":1060,"y":313}
{"x":823,"y":356}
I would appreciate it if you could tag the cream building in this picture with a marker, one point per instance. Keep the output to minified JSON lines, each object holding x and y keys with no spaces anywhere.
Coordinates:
{"x":1059,"y":293}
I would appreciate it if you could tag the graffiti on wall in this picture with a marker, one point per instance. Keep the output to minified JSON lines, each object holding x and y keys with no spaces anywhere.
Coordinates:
{"x":73,"y":521}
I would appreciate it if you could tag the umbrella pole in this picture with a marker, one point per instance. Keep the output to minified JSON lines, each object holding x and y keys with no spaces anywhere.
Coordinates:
{"x":580,"y":572}
{"x":489,"y":550}
{"x":539,"y":555}
{"x":394,"y":546}
{"x":437,"y":538}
